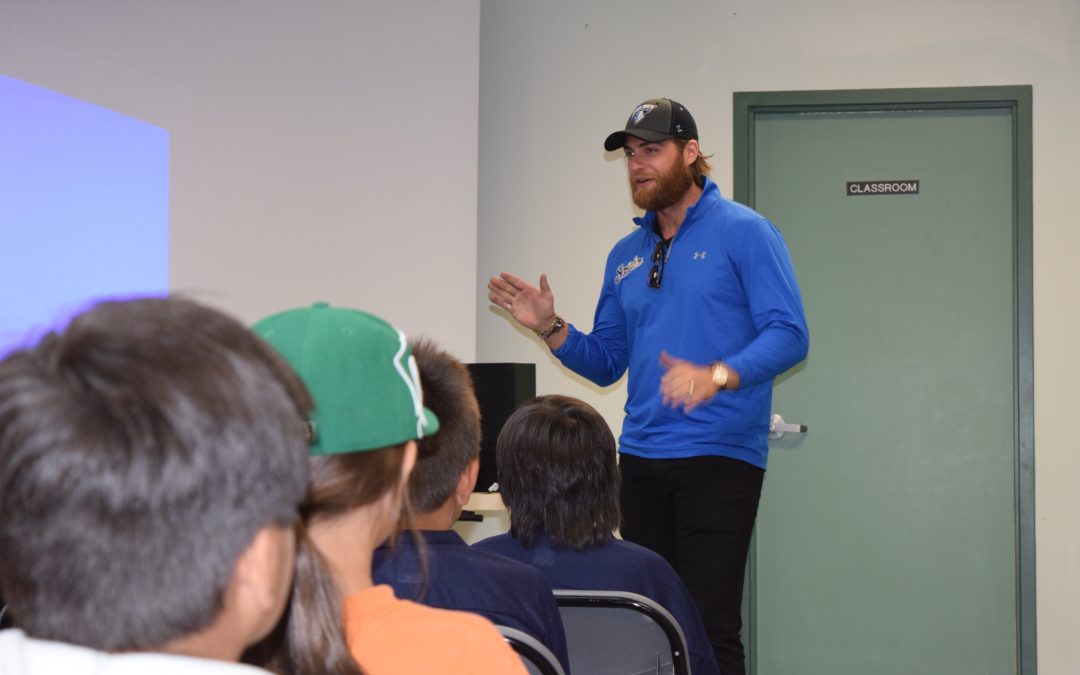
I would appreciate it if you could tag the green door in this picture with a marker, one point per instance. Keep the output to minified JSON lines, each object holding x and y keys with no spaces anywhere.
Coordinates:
{"x":893,"y":535}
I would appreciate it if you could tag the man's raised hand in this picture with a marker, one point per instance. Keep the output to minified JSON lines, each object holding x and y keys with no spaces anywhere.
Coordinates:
{"x":530,"y":306}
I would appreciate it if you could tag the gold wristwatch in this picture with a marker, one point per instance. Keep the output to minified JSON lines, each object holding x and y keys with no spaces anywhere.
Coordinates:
{"x":719,"y":375}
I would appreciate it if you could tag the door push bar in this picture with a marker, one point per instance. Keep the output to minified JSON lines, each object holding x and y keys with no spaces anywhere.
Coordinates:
{"x":777,"y":427}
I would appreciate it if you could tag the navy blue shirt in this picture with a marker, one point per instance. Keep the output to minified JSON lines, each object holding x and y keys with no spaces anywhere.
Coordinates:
{"x":615,"y":566}
{"x":459,"y":577}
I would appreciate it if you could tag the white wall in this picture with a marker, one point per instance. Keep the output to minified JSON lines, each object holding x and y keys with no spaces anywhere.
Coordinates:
{"x":556,"y":77}
{"x":320,"y":150}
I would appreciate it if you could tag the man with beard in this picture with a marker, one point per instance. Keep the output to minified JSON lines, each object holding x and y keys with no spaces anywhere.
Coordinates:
{"x":701,"y":306}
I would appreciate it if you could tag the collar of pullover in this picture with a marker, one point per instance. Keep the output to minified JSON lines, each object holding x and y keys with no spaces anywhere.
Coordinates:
{"x":710,"y":194}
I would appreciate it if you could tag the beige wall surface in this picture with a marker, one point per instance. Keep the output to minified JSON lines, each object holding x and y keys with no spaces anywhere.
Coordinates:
{"x":556,"y":77}
{"x":323,"y":150}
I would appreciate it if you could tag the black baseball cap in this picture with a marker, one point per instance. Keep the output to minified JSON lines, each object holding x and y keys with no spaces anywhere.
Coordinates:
{"x":657,"y":119}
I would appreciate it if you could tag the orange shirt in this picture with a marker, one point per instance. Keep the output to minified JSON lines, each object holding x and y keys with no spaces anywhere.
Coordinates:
{"x":388,"y":636}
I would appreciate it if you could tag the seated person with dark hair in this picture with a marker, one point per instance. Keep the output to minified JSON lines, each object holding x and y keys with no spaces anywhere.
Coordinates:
{"x":559,"y":478}
{"x":152,"y":461}
{"x":444,"y":571}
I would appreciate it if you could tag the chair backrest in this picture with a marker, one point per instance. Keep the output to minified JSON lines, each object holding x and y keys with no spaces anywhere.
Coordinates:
{"x":5,"y":618}
{"x":621,"y":633}
{"x":538,"y":659}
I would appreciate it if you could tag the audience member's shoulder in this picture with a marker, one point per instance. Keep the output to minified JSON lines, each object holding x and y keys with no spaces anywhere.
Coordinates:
{"x":451,"y":620}
{"x":500,"y":542}
{"x":488,"y":554}
{"x":474,"y":637}
{"x":20,"y":653}
{"x":502,"y":567}
{"x":641,"y":556}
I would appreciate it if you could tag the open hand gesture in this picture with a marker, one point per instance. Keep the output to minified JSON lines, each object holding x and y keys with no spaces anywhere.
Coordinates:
{"x":530,"y":306}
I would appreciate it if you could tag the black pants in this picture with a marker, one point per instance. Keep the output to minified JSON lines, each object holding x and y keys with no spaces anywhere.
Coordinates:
{"x":698,"y":513}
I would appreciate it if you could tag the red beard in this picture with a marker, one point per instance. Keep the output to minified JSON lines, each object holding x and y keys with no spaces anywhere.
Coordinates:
{"x":665,"y":190}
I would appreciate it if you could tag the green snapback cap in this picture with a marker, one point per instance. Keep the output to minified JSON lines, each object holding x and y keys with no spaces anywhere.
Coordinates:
{"x":361,"y":375}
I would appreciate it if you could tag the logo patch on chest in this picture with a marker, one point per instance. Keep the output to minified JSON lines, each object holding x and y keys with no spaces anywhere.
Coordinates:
{"x":625,"y":269}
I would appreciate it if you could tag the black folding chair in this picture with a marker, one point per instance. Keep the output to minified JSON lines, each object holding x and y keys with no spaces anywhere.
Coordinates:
{"x":537,"y":658}
{"x":5,"y":617}
{"x":621,"y":633}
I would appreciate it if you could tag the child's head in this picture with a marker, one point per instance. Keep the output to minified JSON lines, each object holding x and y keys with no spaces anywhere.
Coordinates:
{"x":367,"y":415}
{"x":449,"y":460}
{"x":368,"y":407}
{"x":152,"y":461}
{"x":558,"y":472}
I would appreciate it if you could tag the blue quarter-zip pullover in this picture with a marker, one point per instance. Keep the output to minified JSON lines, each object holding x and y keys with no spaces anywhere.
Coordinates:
{"x":728,"y":293}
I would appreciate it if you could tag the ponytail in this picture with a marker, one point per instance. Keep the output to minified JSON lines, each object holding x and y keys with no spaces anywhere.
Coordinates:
{"x":309,"y":639}
{"x":314,"y":639}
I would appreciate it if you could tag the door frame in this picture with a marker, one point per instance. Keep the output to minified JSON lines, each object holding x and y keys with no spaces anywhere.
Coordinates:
{"x":1017,"y":99}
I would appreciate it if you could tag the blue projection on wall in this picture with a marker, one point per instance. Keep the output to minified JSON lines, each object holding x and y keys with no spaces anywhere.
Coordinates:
{"x":84,"y":201}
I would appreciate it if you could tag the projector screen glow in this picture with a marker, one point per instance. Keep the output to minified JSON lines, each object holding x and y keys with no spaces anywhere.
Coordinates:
{"x":84,"y":201}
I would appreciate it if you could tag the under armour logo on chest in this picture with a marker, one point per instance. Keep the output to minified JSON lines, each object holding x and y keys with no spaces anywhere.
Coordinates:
{"x":699,"y":255}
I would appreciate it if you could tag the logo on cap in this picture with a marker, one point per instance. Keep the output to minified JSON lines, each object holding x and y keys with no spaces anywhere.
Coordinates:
{"x":640,"y":112}
{"x":411,"y":377}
